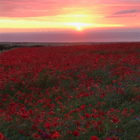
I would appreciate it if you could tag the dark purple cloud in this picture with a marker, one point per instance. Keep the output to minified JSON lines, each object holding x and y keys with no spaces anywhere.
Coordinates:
{"x":124,"y":13}
{"x":127,"y":11}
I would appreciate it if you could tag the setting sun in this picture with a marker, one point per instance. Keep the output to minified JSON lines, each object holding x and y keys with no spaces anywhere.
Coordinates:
{"x":79,"y":28}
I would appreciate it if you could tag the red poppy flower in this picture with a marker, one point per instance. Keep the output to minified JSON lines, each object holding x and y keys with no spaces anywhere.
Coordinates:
{"x":55,"y":135}
{"x":87,"y":115}
{"x":35,"y":136}
{"x":83,"y":106}
{"x":76,"y":133}
{"x":94,"y":138}
{"x":47,"y":125}
{"x":21,"y":131}
{"x":108,"y":139}
{"x":1,"y":136}
{"x":115,"y":120}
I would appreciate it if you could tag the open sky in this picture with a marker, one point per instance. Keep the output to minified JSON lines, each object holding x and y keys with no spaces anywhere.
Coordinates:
{"x":29,"y":15}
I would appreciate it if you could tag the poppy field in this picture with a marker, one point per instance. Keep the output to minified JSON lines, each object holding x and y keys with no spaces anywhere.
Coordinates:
{"x":78,"y":92}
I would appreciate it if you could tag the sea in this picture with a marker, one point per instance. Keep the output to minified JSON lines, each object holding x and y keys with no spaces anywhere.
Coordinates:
{"x":81,"y":36}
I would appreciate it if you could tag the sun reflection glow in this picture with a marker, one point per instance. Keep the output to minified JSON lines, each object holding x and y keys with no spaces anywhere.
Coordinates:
{"x":79,"y":28}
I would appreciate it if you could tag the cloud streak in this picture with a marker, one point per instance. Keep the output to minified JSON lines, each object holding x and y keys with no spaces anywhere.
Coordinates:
{"x":124,"y":13}
{"x":127,"y":11}
{"x":120,"y":16}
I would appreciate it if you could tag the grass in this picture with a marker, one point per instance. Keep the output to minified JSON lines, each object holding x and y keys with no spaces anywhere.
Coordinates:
{"x":97,"y":95}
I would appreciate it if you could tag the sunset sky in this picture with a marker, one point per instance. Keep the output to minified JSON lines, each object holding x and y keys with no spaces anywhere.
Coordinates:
{"x":28,"y":15}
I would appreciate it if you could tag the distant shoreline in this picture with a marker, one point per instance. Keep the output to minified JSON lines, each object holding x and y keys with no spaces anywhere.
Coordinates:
{"x":10,"y":44}
{"x":6,"y":46}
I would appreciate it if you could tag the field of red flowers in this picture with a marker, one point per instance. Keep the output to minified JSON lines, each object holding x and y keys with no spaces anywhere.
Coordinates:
{"x":81,"y":92}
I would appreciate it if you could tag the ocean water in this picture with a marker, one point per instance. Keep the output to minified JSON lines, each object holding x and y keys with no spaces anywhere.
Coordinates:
{"x":89,"y":36}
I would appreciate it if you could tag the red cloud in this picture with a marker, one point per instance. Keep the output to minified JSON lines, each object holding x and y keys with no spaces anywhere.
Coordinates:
{"x":26,"y":8}
{"x":34,"y":8}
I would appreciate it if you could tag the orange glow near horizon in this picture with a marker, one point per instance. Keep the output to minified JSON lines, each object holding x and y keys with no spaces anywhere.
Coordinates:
{"x":33,"y":24}
{"x":74,"y":15}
